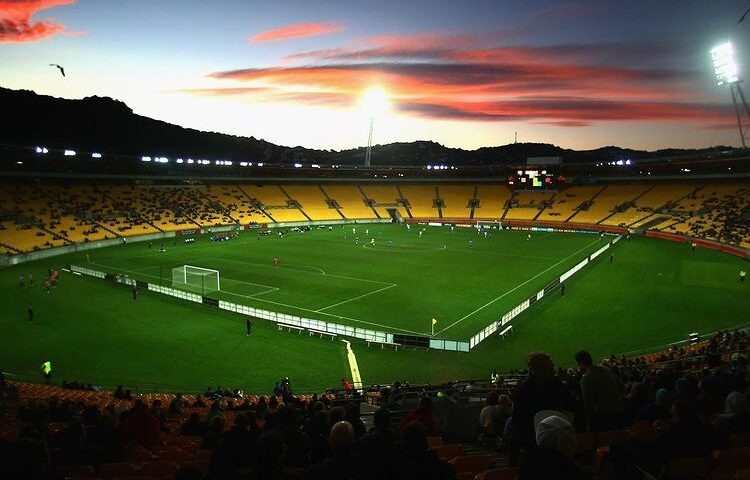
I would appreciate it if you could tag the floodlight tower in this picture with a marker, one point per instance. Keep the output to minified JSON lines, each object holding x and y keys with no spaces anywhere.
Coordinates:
{"x":726,"y":71}
{"x":374,"y":103}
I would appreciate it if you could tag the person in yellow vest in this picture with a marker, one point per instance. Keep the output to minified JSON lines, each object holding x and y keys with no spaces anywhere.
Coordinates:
{"x":743,"y":274}
{"x":47,"y":371}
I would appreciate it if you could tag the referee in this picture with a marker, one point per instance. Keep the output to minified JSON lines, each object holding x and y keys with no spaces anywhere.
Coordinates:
{"x":249,"y":326}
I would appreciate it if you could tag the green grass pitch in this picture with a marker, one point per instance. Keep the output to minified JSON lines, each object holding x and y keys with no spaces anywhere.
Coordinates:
{"x":653,"y":293}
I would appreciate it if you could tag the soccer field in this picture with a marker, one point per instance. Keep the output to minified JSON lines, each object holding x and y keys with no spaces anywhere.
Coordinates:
{"x":396,"y":285}
{"x":653,"y":293}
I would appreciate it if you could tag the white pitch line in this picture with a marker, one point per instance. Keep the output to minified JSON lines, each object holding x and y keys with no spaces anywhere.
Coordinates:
{"x":341,"y":317}
{"x":357,"y":297}
{"x":353,"y":366}
{"x":515,"y":288}
{"x":140,"y":272}
{"x":312,"y":273}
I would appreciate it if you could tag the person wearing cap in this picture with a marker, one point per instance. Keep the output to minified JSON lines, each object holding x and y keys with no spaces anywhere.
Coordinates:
{"x":602,"y":395}
{"x":556,"y":444}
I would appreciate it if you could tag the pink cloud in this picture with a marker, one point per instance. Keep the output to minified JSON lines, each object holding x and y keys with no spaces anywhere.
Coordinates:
{"x":18,"y":26}
{"x":297,"y":30}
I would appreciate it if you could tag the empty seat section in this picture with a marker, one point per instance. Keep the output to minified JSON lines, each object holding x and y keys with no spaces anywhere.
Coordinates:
{"x":526,"y":205}
{"x":661,"y":196}
{"x":312,"y":201}
{"x":607,"y":201}
{"x":351,"y":201}
{"x":421,"y":200}
{"x":386,"y":197}
{"x":456,"y":199}
{"x":492,"y":200}
{"x":565,"y":202}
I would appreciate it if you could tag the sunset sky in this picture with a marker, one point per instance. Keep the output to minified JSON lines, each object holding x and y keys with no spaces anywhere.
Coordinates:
{"x":579,"y":74}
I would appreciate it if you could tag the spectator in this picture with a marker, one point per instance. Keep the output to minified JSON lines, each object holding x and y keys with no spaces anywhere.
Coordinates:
{"x":556,"y":445}
{"x":419,"y":461}
{"x":541,"y":390}
{"x":659,"y":409}
{"x":141,"y":427}
{"x":423,"y":414}
{"x":343,"y":463}
{"x":602,"y":395}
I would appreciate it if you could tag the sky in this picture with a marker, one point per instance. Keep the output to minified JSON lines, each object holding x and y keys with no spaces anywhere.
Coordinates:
{"x":579,"y":74}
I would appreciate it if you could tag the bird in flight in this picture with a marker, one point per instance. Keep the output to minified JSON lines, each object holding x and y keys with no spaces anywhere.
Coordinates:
{"x":62,"y":70}
{"x":743,"y":16}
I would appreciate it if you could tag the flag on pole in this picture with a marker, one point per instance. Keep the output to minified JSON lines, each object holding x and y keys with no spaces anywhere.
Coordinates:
{"x":434,"y":321}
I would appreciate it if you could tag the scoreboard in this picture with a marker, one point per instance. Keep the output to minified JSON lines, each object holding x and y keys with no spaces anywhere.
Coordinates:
{"x":533,"y":179}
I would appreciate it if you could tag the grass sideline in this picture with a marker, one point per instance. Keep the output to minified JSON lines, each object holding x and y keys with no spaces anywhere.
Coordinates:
{"x":654,"y":293}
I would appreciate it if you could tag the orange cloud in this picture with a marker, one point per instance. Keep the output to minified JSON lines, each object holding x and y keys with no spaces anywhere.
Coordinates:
{"x":467,"y":78}
{"x":17,"y":25}
{"x":297,"y":30}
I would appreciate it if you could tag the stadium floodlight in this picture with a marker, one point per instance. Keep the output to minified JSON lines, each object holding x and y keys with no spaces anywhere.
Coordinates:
{"x":297,"y":165}
{"x":69,"y":153}
{"x":96,"y":155}
{"x":725,"y":67}
{"x":727,"y":73}
{"x":190,"y":161}
{"x":374,"y":103}
{"x":41,"y":150}
{"x":145,"y":159}
{"x":179,"y":160}
{"x":260,"y":164}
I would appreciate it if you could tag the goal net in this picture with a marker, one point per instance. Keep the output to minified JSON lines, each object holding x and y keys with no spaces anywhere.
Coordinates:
{"x":197,"y":279}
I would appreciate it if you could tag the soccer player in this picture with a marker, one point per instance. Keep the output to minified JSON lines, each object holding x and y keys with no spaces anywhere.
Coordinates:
{"x":31,"y":280}
{"x":367,"y":231}
{"x":743,"y":274}
{"x":135,"y":292}
{"x":390,"y":242}
{"x":562,"y":289}
{"x":88,"y":258}
{"x":471,"y":243}
{"x":30,"y":313}
{"x":611,"y":258}
{"x":275,"y":260}
{"x":354,"y":230}
{"x":21,"y":280}
{"x":528,"y":237}
{"x":408,"y":227}
{"x":372,"y":242}
{"x":48,"y":286}
{"x":249,"y":326}
{"x":453,"y":227}
{"x":693,"y":245}
{"x":420,"y":233}
{"x":150,"y":244}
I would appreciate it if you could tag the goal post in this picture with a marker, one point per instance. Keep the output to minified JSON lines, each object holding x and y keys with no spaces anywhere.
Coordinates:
{"x":198,"y":279}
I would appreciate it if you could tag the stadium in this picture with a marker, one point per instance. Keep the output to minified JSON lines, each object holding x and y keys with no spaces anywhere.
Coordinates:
{"x":180,"y":303}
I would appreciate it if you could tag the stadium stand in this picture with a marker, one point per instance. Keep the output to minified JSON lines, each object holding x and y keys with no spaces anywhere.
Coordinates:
{"x":527,"y":205}
{"x":421,"y":200}
{"x":36,"y":216}
{"x":613,"y":199}
{"x":351,"y":200}
{"x":312,"y":201}
{"x":683,"y":409}
{"x":568,"y":201}
{"x":492,"y":201}
{"x":456,"y":199}
{"x":385,"y":197}
{"x":274,"y":202}
{"x":238,"y":206}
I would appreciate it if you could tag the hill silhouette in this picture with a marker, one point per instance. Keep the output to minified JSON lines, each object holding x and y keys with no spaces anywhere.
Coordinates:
{"x":105,"y":125}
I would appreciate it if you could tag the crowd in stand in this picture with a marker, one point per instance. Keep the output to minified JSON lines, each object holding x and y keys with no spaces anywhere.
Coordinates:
{"x":683,"y":403}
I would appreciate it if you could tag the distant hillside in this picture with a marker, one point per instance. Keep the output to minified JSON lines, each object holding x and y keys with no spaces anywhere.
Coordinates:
{"x":110,"y":126}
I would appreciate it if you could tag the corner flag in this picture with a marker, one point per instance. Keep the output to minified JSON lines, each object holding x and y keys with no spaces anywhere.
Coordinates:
{"x":434,"y":321}
{"x":432,"y":327}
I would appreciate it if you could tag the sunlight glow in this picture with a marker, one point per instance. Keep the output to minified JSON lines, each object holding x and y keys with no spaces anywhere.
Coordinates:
{"x":374,"y":102}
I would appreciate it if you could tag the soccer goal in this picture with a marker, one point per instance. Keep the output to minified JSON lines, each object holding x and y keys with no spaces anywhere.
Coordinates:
{"x":196,"y":279}
{"x":481,"y":224}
